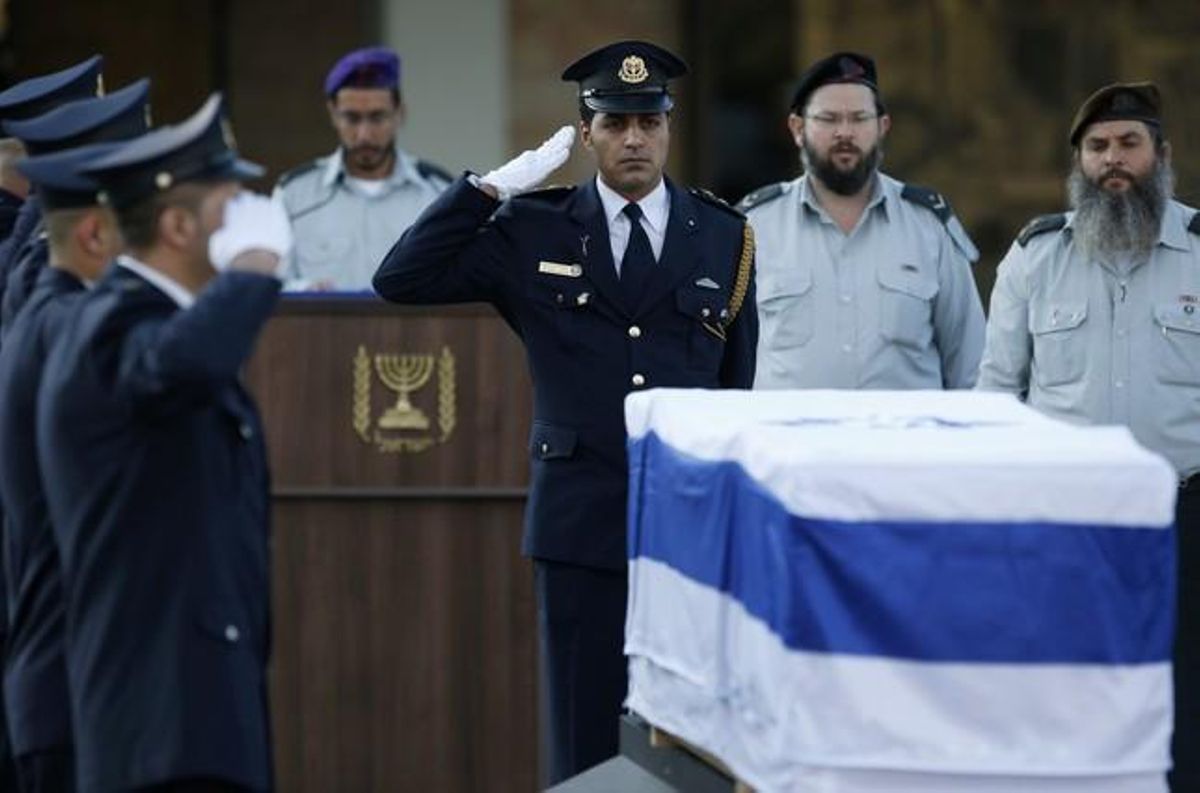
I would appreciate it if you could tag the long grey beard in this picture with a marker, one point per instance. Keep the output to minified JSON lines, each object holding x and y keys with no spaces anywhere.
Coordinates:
{"x":1108,"y":226}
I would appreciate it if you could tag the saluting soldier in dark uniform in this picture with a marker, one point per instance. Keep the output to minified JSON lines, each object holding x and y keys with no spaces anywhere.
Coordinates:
{"x":120,"y":115}
{"x":624,"y":282}
{"x":156,"y":475}
{"x":83,"y":239}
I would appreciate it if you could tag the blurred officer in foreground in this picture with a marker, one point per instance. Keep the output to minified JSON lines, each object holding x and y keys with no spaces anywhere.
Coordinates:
{"x":26,"y":99}
{"x":348,"y":208}
{"x":118,"y":116}
{"x":83,"y":241}
{"x":863,"y":281}
{"x":1095,"y":319}
{"x":626,"y":281}
{"x":155,"y":472}
{"x":29,"y":99}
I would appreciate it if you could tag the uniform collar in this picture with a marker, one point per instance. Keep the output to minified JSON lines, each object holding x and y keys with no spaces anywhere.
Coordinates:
{"x":1173,"y":232}
{"x":656,"y":206}
{"x":881,"y":194}
{"x":404,"y":172}
{"x":165,"y":284}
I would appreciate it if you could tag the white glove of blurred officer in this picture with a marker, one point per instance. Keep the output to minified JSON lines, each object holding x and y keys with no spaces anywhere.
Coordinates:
{"x":531,"y":167}
{"x":253,"y":223}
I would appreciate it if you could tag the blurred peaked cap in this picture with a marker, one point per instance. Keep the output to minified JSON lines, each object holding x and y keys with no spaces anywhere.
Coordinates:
{"x":35,"y":96}
{"x":626,"y":77}
{"x":59,"y":177}
{"x":840,"y":67}
{"x":370,"y":67}
{"x":200,"y":148}
{"x":1118,"y":102}
{"x":121,"y":115}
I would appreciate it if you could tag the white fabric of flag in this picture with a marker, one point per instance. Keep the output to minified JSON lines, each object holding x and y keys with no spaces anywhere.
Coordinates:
{"x":862,"y":591}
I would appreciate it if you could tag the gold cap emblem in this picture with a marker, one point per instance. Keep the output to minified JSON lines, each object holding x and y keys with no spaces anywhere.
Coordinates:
{"x":99,"y":85}
{"x":163,"y":180}
{"x":633,"y":70}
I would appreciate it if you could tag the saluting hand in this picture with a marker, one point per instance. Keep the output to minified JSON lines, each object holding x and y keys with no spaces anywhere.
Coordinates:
{"x":255,"y":235}
{"x":531,"y":167}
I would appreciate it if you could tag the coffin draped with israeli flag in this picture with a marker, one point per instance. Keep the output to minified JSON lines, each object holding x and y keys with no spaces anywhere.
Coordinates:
{"x":900,"y":591}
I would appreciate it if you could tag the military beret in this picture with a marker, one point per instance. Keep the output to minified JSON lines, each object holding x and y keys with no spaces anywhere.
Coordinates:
{"x":39,"y":94}
{"x":371,"y":67}
{"x":1119,"y":102}
{"x":59,"y":177}
{"x":626,"y":77}
{"x":121,"y":115}
{"x":200,"y":148}
{"x":840,"y":67}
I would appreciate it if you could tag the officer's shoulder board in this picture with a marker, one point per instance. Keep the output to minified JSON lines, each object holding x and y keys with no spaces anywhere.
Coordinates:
{"x":761,"y":196}
{"x":936,"y":203}
{"x":711,"y":199}
{"x":433,"y":171}
{"x":548,"y":194}
{"x":1194,"y":224}
{"x":299,"y":170}
{"x":1040,"y":225}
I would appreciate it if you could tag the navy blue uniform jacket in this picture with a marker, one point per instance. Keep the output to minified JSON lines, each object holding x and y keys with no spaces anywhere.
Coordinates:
{"x":156,"y":477}
{"x":584,"y":345}
{"x":22,"y":279}
{"x":35,"y":675}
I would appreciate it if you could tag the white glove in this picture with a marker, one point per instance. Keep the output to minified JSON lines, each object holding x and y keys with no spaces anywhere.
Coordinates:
{"x":530,"y":168}
{"x":252,"y":222}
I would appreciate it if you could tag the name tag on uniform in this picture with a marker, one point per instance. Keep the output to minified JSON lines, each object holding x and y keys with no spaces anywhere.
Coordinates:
{"x":555,"y":268}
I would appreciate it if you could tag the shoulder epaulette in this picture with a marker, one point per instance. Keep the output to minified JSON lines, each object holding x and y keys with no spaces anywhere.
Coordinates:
{"x":761,"y":196}
{"x":429,"y":170}
{"x":708,"y":197}
{"x":1040,"y":225}
{"x":299,"y":170}
{"x":930,"y":199}
{"x":548,"y":193}
{"x":1194,"y":225}
{"x":936,"y":203}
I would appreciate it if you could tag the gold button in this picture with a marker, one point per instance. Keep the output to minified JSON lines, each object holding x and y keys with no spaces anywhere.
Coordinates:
{"x":704,"y":312}
{"x":635,"y":332}
{"x":638,"y":380}
{"x":545,"y":448}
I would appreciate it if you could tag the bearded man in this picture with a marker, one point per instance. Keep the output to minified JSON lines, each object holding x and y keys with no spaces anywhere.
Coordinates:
{"x":863,"y":281}
{"x":1095,"y":318}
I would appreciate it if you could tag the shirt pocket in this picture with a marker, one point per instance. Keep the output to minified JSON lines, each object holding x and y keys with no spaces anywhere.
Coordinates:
{"x":1059,"y":346}
{"x":1178,"y":360}
{"x":322,"y":255}
{"x":785,"y":310}
{"x":906,"y":304}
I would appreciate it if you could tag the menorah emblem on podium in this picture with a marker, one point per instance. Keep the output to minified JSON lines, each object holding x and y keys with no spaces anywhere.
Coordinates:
{"x":404,"y":374}
{"x":403,"y":426}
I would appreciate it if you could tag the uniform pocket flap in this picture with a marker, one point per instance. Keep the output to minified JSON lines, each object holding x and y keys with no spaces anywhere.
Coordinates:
{"x":909,"y":279}
{"x":548,"y":442}
{"x":1055,"y":317}
{"x":702,"y":304}
{"x":792,"y":283}
{"x":1178,"y":316}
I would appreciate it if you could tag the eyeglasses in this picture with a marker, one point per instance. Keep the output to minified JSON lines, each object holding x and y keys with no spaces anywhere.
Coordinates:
{"x":376,"y":118}
{"x":835,"y":120}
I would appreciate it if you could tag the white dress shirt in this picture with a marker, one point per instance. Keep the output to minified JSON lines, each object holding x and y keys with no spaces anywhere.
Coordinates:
{"x":656,"y":207}
{"x":167,"y":285}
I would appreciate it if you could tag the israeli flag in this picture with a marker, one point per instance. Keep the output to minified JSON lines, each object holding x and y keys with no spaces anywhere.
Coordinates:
{"x":900,"y":591}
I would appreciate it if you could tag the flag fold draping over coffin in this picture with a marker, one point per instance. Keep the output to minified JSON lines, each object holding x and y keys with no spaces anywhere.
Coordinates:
{"x":904,"y":589}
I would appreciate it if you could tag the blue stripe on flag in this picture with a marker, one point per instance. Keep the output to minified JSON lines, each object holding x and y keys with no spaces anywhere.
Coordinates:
{"x":968,"y":592}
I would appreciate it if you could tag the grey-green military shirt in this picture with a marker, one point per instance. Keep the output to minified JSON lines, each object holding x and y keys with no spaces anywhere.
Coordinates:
{"x":1099,"y":343}
{"x":892,"y":304}
{"x":341,"y":231}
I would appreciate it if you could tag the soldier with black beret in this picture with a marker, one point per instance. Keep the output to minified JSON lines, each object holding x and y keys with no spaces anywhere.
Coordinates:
{"x":155,"y":471}
{"x":863,"y":281}
{"x":626,"y":281}
{"x":348,"y":208}
{"x":1094,"y":320}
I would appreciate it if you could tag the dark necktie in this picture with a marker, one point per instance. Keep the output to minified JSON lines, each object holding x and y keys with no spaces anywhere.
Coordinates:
{"x":638,"y":262}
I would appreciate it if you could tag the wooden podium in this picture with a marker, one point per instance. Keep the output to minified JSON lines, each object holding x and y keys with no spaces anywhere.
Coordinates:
{"x":405,"y":645}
